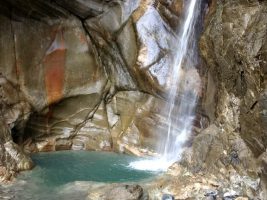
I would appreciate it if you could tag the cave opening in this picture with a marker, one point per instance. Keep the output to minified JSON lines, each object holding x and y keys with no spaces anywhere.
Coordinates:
{"x":16,"y":135}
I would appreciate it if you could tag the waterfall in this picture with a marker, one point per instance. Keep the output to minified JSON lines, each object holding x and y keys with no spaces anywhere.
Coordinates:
{"x":182,"y":90}
{"x":180,"y":119}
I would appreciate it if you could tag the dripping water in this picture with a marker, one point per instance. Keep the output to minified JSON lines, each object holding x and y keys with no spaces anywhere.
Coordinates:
{"x":184,"y":83}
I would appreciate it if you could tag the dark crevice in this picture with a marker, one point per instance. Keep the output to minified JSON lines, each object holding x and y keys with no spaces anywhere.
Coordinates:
{"x":16,"y":135}
{"x":91,"y":113}
{"x":253,"y":105}
{"x":124,"y":63}
{"x":15,"y":52}
{"x":118,"y":32}
{"x":106,"y":50}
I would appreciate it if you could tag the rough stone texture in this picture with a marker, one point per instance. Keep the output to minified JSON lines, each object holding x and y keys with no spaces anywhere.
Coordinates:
{"x":14,"y":112}
{"x":234,"y":48}
{"x":181,"y":183}
{"x":84,"y":8}
{"x":116,"y":191}
{"x":127,"y":192}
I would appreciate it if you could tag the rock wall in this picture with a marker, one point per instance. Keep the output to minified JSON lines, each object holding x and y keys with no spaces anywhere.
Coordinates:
{"x":233,"y":46}
{"x":235,"y":51}
{"x":14,"y":112}
{"x":92,"y":75}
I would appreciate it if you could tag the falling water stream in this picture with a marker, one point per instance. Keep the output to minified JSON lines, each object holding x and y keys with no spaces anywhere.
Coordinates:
{"x":182,"y":97}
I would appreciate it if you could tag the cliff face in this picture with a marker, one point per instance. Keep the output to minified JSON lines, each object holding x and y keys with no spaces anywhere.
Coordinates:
{"x":233,"y":46}
{"x":235,"y":51}
{"x":93,"y":75}
{"x":88,"y":74}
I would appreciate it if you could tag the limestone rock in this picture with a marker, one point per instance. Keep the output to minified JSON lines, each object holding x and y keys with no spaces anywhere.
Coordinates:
{"x":82,"y":8}
{"x":232,"y":48}
{"x":74,"y":73}
{"x":14,"y":112}
{"x":116,"y":191}
{"x":127,"y":192}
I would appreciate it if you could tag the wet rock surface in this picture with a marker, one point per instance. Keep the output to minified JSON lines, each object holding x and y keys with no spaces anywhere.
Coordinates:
{"x":88,"y":73}
{"x":93,"y":83}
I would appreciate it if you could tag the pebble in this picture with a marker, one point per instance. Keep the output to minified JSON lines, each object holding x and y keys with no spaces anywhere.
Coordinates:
{"x":167,"y":197}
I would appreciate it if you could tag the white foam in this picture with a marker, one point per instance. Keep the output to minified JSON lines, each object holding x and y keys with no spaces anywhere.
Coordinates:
{"x":154,"y":164}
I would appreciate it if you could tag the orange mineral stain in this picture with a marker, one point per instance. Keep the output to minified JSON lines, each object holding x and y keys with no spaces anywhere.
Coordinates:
{"x":54,"y":64}
{"x":82,"y":38}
